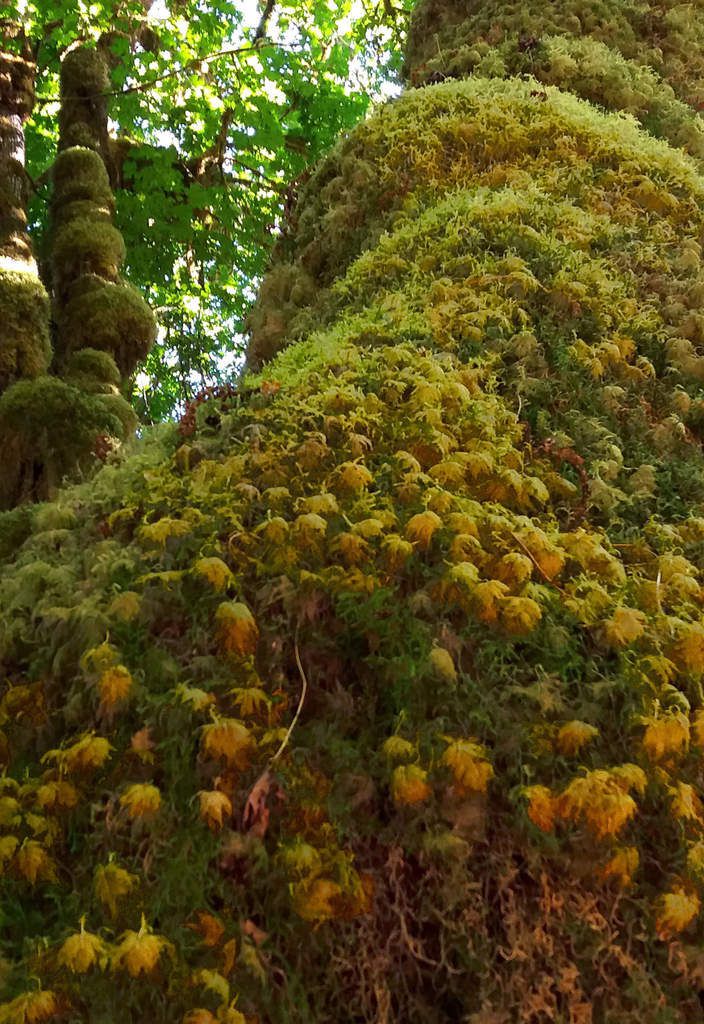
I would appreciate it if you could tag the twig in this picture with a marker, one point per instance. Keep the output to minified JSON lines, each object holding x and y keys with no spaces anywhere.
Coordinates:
{"x":304,"y":689}
{"x":537,"y":564}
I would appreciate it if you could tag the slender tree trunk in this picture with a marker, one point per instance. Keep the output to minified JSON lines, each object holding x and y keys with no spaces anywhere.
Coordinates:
{"x":24,"y":341}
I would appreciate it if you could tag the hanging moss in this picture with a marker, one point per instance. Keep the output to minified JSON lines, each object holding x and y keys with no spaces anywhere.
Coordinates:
{"x":24,"y":315}
{"x":111,"y":317}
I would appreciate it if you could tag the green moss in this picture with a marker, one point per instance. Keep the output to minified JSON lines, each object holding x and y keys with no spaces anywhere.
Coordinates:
{"x":85,"y":72}
{"x":79,"y":174}
{"x":586,"y":67}
{"x":86,"y":246}
{"x":94,"y":369}
{"x":111,"y":317}
{"x":15,"y":527}
{"x":478,"y":132}
{"x":49,"y":429}
{"x":669,"y":39}
{"x":24,"y":314}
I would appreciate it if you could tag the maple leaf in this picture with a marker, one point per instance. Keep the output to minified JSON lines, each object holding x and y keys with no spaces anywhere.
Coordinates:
{"x":574,"y":735}
{"x":114,"y":685}
{"x":34,"y":863}
{"x":209,"y":928}
{"x":214,"y":807}
{"x":125,"y":606}
{"x":30,"y":1008}
{"x":519,"y":615}
{"x":352,"y":477}
{"x":58,"y":794}
{"x":255,"y":816}
{"x":625,"y":627}
{"x":666,"y":736}
{"x":89,"y":752}
{"x":197,"y":698}
{"x":158,"y":533}
{"x":421,"y":528}
{"x":316,"y":900}
{"x":442,"y":664}
{"x":200,"y":1016}
{"x":81,"y":951}
{"x":622,"y":866}
{"x":675,"y":911}
{"x":541,"y":809}
{"x":215,"y":571}
{"x":111,"y":883}
{"x":230,"y":739}
{"x":685,"y":802}
{"x":250,"y":700}
{"x":398,"y":749}
{"x":485,"y":600}
{"x":688,"y":651}
{"x":409,"y":785}
{"x":139,"y":952}
{"x":141,"y":800}
{"x":142,"y":744}
{"x":600,"y":800}
{"x":397,"y":550}
{"x":470,"y":768}
{"x":237,"y":630}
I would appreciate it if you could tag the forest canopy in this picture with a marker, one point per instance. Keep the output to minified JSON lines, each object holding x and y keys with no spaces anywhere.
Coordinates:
{"x":216,"y":112}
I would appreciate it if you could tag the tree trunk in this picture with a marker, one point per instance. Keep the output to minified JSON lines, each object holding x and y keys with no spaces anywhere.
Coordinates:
{"x":379,"y":698}
{"x":24,"y":344}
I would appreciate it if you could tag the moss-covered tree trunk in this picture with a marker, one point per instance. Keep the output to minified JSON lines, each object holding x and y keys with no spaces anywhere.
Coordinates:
{"x":24,"y":304}
{"x":57,"y":424}
{"x":374,"y":694}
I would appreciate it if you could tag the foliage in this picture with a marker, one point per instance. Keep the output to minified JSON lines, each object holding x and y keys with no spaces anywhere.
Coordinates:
{"x":376,"y":694}
{"x":215,"y":124}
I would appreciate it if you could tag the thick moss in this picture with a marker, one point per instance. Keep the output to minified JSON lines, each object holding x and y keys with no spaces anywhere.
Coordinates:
{"x":49,"y":429}
{"x":111,"y":317}
{"x":24,"y":335}
{"x":85,"y":245}
{"x":480,"y":133}
{"x":79,"y":174}
{"x":668,"y":38}
{"x":94,"y":369}
{"x":84,"y":72}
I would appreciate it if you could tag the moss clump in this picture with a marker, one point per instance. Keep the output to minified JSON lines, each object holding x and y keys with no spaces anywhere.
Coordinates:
{"x":79,"y":174}
{"x":84,"y":72}
{"x":24,"y":314}
{"x":111,"y":317}
{"x":669,"y":38}
{"x":480,"y":132}
{"x":586,"y":67}
{"x":49,"y":429}
{"x":85,"y":79}
{"x":84,"y":246}
{"x":95,"y":370}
